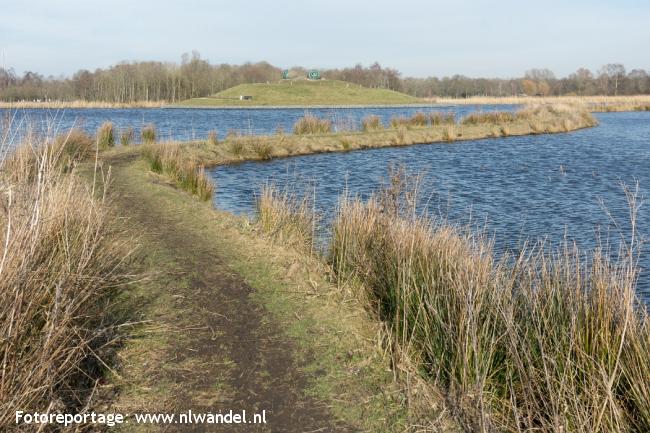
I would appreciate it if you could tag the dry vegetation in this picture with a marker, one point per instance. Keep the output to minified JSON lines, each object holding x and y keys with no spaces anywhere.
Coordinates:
{"x":80,"y":104}
{"x":550,"y":340}
{"x":59,"y":264}
{"x":593,"y":103}
{"x":287,"y":216}
{"x":166,"y":159}
{"x":435,"y":127}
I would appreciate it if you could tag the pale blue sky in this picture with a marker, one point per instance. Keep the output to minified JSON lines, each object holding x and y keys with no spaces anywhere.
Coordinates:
{"x":420,"y":38}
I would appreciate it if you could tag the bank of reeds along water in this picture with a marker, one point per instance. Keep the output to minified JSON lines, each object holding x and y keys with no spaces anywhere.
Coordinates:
{"x":59,"y":265}
{"x":548,"y":340}
{"x":167,"y":159}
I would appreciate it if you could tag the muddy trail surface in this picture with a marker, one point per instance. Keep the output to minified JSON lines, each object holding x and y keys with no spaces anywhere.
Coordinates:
{"x":226,"y":353}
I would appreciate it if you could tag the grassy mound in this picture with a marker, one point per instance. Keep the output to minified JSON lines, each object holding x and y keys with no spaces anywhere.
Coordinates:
{"x":304,"y":93}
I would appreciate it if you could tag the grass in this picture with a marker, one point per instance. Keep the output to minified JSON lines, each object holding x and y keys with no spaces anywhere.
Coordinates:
{"x":148,"y":134}
{"x":60,"y":265}
{"x":547,"y":341}
{"x":287,"y":217}
{"x":127,"y":136}
{"x":106,"y":136}
{"x":79,"y":104}
{"x":312,"y":125}
{"x":303,"y":93}
{"x":166,"y":159}
{"x":371,"y":123}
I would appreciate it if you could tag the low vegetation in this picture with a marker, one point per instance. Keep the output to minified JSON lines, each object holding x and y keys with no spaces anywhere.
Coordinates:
{"x":106,"y":136}
{"x":287,"y":216}
{"x":166,"y":159}
{"x":312,"y":125}
{"x":59,"y":265}
{"x":148,"y":134}
{"x":127,"y":136}
{"x":546,"y":341}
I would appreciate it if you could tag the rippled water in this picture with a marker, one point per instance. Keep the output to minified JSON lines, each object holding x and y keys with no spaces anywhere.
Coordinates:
{"x":189,"y":124}
{"x":531,"y":187}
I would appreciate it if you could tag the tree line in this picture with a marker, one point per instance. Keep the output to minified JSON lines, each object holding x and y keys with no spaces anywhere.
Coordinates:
{"x":196,"y":77}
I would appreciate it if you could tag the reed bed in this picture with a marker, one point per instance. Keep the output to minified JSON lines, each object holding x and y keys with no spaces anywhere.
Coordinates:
{"x":548,"y":341}
{"x":166,"y":159}
{"x":80,"y":104}
{"x":312,"y":125}
{"x":60,"y":262}
{"x":287,"y":216}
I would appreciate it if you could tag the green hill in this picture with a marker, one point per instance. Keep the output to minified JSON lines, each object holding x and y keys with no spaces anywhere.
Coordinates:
{"x":303,"y":93}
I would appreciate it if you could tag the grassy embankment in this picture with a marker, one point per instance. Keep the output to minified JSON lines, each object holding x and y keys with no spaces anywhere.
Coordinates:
{"x":545,"y":341}
{"x":60,"y":263}
{"x":593,"y":103}
{"x":312,"y":135}
{"x":303,"y":93}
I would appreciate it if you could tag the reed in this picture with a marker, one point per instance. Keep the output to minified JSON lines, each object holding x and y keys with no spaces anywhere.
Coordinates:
{"x":312,"y":125}
{"x":287,"y":216}
{"x":127,"y":136}
{"x":213,"y":138}
{"x":492,"y":117}
{"x":166,"y":159}
{"x":148,"y":134}
{"x":371,"y":123}
{"x":547,"y":341}
{"x":437,"y":118}
{"x":106,"y":136}
{"x":60,"y":262}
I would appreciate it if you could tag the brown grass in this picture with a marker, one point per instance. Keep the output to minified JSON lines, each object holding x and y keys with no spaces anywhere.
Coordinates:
{"x":312,"y":125}
{"x":166,"y":159}
{"x":548,"y":341}
{"x":59,"y":264}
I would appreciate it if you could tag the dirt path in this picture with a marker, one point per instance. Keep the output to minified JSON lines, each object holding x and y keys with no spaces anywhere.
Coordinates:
{"x":224,"y":352}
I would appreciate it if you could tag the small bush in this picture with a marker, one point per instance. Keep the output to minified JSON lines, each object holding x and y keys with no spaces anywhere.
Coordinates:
{"x":106,"y":136}
{"x":148,"y":134}
{"x":127,"y":136}
{"x":312,"y":125}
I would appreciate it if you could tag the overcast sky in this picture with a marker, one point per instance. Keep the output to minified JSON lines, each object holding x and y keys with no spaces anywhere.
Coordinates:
{"x":491,"y":38}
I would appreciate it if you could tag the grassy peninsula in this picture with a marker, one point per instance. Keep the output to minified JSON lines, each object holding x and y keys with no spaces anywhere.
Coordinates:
{"x":303,"y":93}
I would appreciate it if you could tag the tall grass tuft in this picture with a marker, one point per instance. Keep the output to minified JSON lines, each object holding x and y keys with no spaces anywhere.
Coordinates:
{"x":60,"y":260}
{"x":127,"y":136}
{"x":166,"y":159}
{"x":547,"y":341}
{"x":106,"y":136}
{"x":312,"y":125}
{"x":437,"y":118}
{"x":148,"y":134}
{"x":287,"y":217}
{"x":213,"y":138}
{"x":371,"y":123}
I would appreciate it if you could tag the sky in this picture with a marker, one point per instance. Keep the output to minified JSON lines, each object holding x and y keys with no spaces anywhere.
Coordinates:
{"x":497,"y":38}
